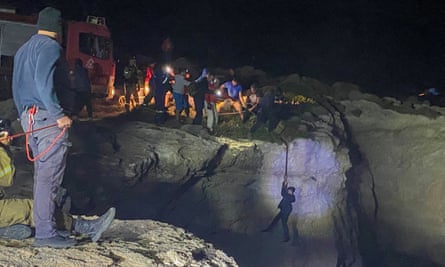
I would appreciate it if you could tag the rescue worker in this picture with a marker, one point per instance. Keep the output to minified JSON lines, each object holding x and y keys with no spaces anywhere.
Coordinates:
{"x":234,"y":91}
{"x":63,"y":85}
{"x":266,"y":113}
{"x":131,"y":83}
{"x":251,"y":105}
{"x":82,"y":85}
{"x":210,"y":104}
{"x":16,"y":215}
{"x":148,"y":83}
{"x":160,"y":86}
{"x":202,"y":87}
{"x":36,"y":101}
{"x":178,"y":94}
{"x":285,"y":207}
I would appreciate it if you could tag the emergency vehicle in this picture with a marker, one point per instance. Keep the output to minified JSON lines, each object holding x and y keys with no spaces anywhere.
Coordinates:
{"x":88,"y":40}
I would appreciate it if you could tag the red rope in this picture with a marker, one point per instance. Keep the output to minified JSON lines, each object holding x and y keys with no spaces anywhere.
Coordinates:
{"x":32,"y":111}
{"x":29,"y":132}
{"x":28,"y":155}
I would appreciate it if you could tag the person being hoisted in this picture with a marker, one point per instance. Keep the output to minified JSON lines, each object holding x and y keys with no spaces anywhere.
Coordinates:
{"x":285,"y":207}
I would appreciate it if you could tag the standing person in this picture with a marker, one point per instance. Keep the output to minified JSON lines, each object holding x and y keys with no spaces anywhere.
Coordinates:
{"x":131,"y":83}
{"x":82,"y":86}
{"x":285,"y":207}
{"x":251,"y":106}
{"x":36,"y":101}
{"x":235,"y":98}
{"x":16,"y":215}
{"x":160,"y":86}
{"x":202,"y":87}
{"x":148,"y":83}
{"x":210,"y":104}
{"x":178,"y":94}
{"x":266,"y":113}
{"x":63,"y":85}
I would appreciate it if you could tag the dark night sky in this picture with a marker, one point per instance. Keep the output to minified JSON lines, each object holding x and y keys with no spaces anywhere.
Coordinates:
{"x":393,"y":46}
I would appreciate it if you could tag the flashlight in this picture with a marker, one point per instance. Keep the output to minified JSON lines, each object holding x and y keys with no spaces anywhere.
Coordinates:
{"x":168,"y":70}
{"x":218,"y":93}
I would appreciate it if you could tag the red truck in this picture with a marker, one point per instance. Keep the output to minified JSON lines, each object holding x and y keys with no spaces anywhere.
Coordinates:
{"x":88,"y":40}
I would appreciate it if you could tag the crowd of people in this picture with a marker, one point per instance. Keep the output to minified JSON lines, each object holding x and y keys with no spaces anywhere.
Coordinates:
{"x":210,"y":97}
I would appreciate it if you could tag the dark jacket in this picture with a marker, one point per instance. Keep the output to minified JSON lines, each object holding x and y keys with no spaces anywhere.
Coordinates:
{"x":202,"y":88}
{"x":63,"y":87}
{"x":131,"y":74}
{"x":159,"y":81}
{"x":81,"y":79}
{"x":287,"y":200}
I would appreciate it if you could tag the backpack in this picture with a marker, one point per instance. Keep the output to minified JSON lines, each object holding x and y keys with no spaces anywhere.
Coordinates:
{"x":7,"y":169}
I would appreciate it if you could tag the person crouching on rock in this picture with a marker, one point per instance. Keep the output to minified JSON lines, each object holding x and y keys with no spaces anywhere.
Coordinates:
{"x":16,"y":215}
{"x":285,"y":207}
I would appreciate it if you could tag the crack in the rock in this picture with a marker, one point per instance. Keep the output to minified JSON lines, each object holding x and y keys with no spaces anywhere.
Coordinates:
{"x":193,"y":179}
{"x":366,"y":236}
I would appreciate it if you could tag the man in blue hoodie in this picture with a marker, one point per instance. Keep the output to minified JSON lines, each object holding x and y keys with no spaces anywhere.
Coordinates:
{"x":38,"y":107}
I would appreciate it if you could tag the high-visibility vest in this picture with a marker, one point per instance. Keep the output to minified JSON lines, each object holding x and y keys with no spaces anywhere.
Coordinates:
{"x":7,"y":169}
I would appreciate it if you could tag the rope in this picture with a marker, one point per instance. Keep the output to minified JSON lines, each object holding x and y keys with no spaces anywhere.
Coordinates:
{"x":11,"y":137}
{"x":32,"y":111}
{"x":28,"y":155}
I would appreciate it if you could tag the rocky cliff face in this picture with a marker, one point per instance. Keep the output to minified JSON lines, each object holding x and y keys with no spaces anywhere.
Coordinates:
{"x":367,"y":172}
{"x":220,"y":189}
{"x":402,"y":185}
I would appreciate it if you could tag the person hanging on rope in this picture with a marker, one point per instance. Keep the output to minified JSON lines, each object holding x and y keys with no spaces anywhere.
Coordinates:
{"x":285,"y":207}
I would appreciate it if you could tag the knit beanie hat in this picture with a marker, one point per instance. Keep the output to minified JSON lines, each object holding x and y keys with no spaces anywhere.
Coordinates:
{"x":50,"y":20}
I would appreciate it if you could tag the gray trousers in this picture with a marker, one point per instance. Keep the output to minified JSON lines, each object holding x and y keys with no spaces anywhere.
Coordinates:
{"x":212,"y":115}
{"x":48,"y":170}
